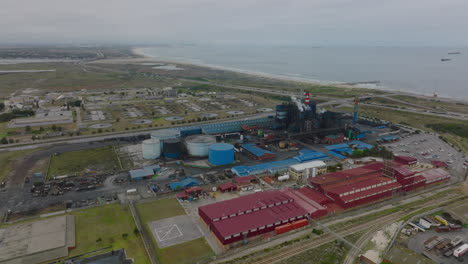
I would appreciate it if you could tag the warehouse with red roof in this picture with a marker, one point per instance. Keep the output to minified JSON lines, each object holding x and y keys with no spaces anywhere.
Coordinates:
{"x":258,"y":213}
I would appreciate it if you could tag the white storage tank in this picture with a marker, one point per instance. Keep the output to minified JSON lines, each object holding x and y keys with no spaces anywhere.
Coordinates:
{"x":283,"y":178}
{"x":151,"y":148}
{"x":198,"y":145}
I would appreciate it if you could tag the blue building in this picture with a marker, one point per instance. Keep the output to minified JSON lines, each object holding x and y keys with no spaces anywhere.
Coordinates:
{"x":185,"y":183}
{"x":144,"y":173}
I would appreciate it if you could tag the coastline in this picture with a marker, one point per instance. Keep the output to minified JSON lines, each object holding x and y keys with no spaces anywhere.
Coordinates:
{"x":147,"y":57}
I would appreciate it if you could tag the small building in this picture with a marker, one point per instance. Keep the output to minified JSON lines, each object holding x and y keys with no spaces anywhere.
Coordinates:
{"x":333,"y":139}
{"x":190,"y":194}
{"x":227,"y":187}
{"x":439,"y":164}
{"x":183,"y":184}
{"x":245,"y":180}
{"x":307,"y":169}
{"x":144,"y":173}
{"x":405,"y":160}
{"x":257,"y":153}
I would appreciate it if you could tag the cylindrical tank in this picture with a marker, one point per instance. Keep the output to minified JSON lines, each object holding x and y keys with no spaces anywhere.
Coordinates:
{"x":151,"y":148}
{"x":221,"y":154}
{"x":172,"y":148}
{"x":282,"y":144}
{"x":197,"y":145}
{"x":164,"y":134}
{"x":283,"y":178}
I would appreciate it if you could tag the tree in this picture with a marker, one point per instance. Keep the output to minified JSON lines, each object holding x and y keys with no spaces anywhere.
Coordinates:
{"x":28,"y":129}
{"x":4,"y":140}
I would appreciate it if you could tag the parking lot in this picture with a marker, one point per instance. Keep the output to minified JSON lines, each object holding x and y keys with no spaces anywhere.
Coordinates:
{"x":426,"y":148}
{"x":416,"y":244}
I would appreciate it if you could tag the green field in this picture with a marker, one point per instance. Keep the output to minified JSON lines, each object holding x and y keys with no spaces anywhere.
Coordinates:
{"x":159,"y":209}
{"x":102,"y":159}
{"x":184,"y":253}
{"x":7,"y":159}
{"x":104,"y":226}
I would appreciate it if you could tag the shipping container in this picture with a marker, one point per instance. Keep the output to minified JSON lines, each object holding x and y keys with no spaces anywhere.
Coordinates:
{"x":268,"y":180}
{"x":441,"y":220}
{"x":300,"y":223}
{"x":460,"y":251}
{"x":283,"y":229}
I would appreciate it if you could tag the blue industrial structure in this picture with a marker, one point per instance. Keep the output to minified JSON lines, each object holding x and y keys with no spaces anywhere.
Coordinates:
{"x":347,"y":148}
{"x":258,"y":152}
{"x":144,"y":173}
{"x":388,"y":138}
{"x":185,"y":183}
{"x":355,"y":113}
{"x":305,"y":155}
{"x":221,"y":154}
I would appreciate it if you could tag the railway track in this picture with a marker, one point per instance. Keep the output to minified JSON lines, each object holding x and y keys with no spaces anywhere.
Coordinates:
{"x":326,"y":239}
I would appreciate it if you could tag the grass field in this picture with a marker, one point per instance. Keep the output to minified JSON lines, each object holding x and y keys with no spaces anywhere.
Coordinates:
{"x":104,"y":226}
{"x":184,"y":253}
{"x":7,"y":159}
{"x":434,"y":103}
{"x":78,"y":161}
{"x":159,"y":209}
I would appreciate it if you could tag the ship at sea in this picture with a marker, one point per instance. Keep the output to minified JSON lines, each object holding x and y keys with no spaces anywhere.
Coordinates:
{"x":454,"y":53}
{"x":445,"y":59}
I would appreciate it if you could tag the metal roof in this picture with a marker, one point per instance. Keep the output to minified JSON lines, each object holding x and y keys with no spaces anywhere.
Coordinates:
{"x":187,"y":182}
{"x":308,"y":165}
{"x":243,"y":170}
{"x":243,"y":203}
{"x":144,"y":172}
{"x":314,"y":195}
{"x":255,"y":150}
{"x":432,"y":175}
{"x":346,"y":174}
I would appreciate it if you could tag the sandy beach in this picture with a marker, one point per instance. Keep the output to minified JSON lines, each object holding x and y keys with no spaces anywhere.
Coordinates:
{"x":139,"y":51}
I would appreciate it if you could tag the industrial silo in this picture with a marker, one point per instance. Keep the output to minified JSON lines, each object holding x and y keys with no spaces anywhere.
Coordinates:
{"x":172,"y":148}
{"x":198,"y":145}
{"x":151,"y":148}
{"x":164,"y":134}
{"x":281,"y":113}
{"x":221,"y":154}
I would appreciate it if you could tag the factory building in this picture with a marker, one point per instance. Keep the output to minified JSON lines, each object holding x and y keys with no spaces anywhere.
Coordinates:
{"x":183,"y":184}
{"x":280,"y":165}
{"x":144,"y":173}
{"x":372,"y":182}
{"x":227,"y":187}
{"x":257,"y":153}
{"x":354,"y":187}
{"x":307,"y":170}
{"x":255,"y":214}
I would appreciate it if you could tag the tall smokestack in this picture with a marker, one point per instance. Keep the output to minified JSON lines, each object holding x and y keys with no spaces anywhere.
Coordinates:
{"x":307,"y":98}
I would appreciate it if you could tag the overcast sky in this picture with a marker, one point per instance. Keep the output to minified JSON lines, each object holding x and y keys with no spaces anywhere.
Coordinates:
{"x":303,"y":22}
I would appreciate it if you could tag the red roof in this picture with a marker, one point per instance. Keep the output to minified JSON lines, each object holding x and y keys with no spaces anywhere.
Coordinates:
{"x":307,"y":204}
{"x":439,"y":163}
{"x":346,"y":174}
{"x":181,"y":195}
{"x":432,"y":175}
{"x":256,"y":219}
{"x":243,"y":203}
{"x":405,"y":159}
{"x":193,"y":189}
{"x":315,"y":195}
{"x":359,"y":185}
{"x":362,"y":194}
{"x":227,"y":185}
{"x":244,"y":179}
{"x":404,"y":171}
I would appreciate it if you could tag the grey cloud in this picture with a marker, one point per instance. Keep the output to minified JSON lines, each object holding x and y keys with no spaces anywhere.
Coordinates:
{"x":393,"y":22}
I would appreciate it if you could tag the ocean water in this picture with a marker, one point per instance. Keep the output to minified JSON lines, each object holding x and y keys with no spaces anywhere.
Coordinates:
{"x":410,"y":69}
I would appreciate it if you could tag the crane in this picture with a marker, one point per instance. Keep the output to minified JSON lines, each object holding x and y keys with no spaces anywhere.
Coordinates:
{"x":355,"y":112}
